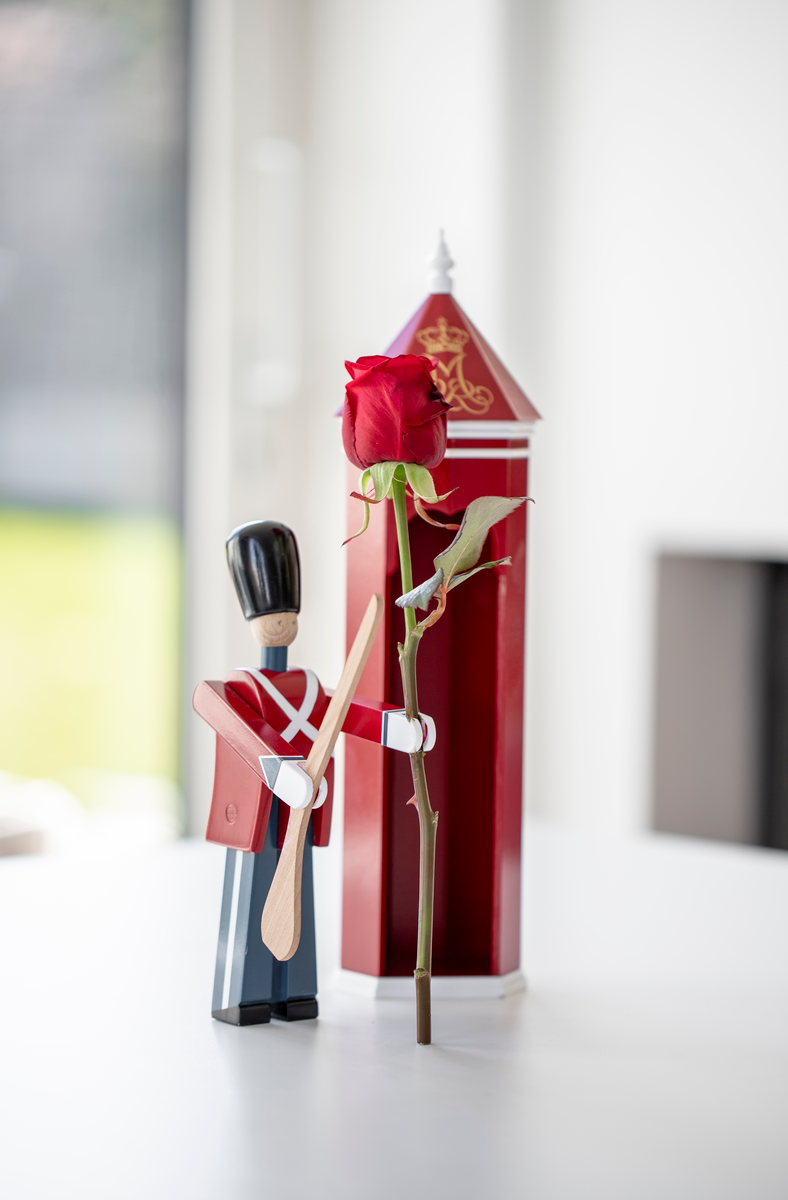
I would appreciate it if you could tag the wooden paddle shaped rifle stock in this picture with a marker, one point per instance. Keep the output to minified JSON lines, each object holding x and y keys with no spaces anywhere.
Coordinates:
{"x":281,"y":923}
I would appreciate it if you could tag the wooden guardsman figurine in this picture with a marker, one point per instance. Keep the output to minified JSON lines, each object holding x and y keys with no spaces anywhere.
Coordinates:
{"x":266,"y":721}
{"x":479,"y":647}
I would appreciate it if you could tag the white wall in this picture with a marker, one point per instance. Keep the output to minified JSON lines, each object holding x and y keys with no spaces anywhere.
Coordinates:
{"x":613,"y":181}
{"x":662,"y":374}
{"x":208,"y":377}
{"x":388,"y":160}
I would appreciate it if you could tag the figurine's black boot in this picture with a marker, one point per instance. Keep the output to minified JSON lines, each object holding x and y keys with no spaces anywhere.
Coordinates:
{"x":246,"y":1014}
{"x":295,"y":1010}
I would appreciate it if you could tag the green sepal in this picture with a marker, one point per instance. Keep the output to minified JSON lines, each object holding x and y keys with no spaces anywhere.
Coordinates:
{"x":382,"y":474}
{"x":421,"y":483}
{"x":365,"y":478}
{"x":365,"y":522}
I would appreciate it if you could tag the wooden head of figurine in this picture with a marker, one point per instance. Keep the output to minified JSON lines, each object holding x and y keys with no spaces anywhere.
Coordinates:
{"x":265,"y":568}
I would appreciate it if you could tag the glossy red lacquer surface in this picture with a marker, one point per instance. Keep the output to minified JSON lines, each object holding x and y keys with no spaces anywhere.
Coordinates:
{"x":471,"y":670}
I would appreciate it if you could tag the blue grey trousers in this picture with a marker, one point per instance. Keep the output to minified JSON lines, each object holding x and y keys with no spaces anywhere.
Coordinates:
{"x":246,"y":970}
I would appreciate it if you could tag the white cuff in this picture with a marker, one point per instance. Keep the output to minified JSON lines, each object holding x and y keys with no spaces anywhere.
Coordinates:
{"x":399,"y":733}
{"x":430,"y":732}
{"x":408,"y":735}
{"x":289,"y":781}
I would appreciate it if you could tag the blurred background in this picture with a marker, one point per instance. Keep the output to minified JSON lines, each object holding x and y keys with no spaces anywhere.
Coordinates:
{"x":93,"y":203}
{"x":206,"y":207}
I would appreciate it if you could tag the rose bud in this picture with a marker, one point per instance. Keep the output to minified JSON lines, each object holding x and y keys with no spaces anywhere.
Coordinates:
{"x":393,"y":412}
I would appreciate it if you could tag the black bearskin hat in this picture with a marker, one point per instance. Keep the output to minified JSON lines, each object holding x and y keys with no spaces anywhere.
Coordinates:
{"x":263,"y":561}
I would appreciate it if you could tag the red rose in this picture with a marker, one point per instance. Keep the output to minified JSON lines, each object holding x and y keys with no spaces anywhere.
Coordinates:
{"x":393,"y":412}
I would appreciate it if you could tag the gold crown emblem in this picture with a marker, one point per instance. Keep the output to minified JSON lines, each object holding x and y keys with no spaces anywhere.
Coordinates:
{"x":443,"y":337}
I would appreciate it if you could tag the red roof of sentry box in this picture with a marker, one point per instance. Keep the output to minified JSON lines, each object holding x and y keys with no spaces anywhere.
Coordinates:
{"x":472,"y":378}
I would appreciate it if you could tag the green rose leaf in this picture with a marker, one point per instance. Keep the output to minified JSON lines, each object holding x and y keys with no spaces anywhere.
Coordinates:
{"x":420,"y":596}
{"x":498,"y":562}
{"x":458,"y":562}
{"x":478,"y":519}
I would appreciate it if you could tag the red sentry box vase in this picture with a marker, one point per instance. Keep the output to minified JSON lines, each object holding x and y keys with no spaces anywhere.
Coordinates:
{"x":470,"y":672}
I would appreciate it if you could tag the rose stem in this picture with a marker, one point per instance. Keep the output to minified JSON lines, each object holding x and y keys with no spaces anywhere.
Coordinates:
{"x":428,"y":820}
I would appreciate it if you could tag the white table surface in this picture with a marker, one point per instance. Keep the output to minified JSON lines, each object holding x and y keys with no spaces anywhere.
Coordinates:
{"x":648,"y":1059}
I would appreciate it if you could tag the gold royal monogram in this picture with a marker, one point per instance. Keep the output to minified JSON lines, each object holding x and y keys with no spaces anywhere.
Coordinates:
{"x":457,"y":391}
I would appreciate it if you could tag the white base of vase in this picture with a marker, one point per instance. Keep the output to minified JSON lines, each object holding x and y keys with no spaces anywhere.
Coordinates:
{"x":444,"y":987}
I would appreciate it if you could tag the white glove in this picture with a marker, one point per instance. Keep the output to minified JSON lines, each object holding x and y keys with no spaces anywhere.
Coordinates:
{"x":430,"y":732}
{"x":398,"y":732}
{"x":289,"y":781}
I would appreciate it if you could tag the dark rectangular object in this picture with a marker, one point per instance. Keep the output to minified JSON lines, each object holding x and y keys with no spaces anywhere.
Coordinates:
{"x":774,"y":780}
{"x":295,"y":1010}
{"x":244,"y":1014}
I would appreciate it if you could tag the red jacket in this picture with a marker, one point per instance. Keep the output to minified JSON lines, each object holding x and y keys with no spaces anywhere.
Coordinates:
{"x":249,"y":721}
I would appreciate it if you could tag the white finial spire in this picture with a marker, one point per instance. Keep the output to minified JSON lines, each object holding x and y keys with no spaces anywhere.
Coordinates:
{"x":440,"y":263}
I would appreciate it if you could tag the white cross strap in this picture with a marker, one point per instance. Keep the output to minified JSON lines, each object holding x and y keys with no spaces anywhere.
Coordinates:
{"x":299,"y":718}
